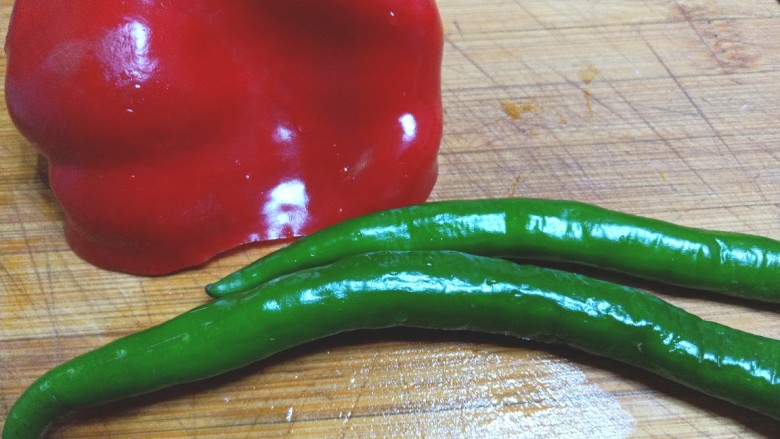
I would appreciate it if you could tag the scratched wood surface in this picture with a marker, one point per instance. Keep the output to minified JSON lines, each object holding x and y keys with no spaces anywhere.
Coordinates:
{"x":665,"y":108}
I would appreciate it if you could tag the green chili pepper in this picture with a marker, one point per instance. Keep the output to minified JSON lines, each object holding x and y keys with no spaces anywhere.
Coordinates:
{"x":554,"y":230}
{"x":444,"y":290}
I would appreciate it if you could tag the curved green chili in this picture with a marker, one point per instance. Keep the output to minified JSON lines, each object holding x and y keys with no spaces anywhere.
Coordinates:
{"x":444,"y":290}
{"x":555,"y":230}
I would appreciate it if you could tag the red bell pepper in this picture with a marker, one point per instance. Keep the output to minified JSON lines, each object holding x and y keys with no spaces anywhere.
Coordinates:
{"x":175,"y":130}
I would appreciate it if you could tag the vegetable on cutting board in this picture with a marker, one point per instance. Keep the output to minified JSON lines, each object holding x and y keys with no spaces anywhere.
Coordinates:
{"x":176,"y":132}
{"x":439,"y":289}
{"x":737,"y":264}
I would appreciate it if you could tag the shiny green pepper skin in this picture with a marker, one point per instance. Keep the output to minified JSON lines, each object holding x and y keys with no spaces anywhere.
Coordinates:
{"x":553,"y":230}
{"x":442,"y":290}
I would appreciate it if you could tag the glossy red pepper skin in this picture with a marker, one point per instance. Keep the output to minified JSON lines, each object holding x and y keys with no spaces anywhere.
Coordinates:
{"x":175,"y":130}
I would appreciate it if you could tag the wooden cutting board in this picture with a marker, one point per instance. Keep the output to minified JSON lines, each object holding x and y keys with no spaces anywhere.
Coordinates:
{"x":665,"y":108}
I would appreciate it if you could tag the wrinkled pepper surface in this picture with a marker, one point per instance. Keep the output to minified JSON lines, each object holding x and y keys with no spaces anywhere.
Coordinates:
{"x":178,"y":129}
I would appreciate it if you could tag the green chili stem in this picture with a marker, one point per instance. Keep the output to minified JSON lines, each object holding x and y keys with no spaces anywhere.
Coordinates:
{"x":552,"y":230}
{"x":443,"y":290}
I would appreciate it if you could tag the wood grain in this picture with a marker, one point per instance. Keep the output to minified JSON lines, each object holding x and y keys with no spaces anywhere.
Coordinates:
{"x":665,"y":108}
